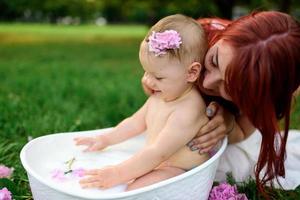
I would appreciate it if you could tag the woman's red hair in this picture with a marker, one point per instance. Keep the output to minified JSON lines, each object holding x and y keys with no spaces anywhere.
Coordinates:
{"x":261,"y":79}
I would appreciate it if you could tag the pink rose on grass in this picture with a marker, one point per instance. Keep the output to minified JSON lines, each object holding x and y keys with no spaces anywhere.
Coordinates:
{"x":5,"y":194}
{"x":5,"y":172}
{"x":225,"y":191}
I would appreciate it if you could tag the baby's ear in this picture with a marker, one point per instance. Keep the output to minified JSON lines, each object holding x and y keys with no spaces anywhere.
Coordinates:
{"x":194,"y":71}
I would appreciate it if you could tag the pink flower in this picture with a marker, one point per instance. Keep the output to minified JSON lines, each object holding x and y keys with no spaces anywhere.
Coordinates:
{"x":62,"y":176}
{"x":5,"y":172}
{"x":160,"y":42}
{"x":78,"y":172}
{"x":5,"y":194}
{"x":58,"y":175}
{"x":241,"y":197}
{"x":225,"y":191}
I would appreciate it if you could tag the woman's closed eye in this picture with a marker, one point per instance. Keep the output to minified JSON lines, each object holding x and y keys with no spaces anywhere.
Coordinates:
{"x":212,"y":61}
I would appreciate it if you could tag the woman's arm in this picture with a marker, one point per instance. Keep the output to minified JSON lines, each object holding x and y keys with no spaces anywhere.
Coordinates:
{"x":241,"y":131}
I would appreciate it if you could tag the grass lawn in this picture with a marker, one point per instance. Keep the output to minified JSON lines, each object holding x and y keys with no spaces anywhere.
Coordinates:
{"x":60,"y":79}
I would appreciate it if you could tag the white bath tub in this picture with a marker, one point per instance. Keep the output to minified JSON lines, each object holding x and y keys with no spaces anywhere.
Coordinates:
{"x":43,"y":154}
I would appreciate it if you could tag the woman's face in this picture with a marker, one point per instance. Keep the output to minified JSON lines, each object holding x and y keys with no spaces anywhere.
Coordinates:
{"x":213,"y":76}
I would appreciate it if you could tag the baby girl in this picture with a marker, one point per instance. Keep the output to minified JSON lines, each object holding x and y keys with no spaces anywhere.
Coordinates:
{"x":171,"y":55}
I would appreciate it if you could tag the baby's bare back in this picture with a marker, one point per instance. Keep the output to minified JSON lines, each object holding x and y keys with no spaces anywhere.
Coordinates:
{"x":156,"y":118}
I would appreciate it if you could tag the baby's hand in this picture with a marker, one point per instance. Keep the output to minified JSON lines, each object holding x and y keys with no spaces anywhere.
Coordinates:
{"x":93,"y":143}
{"x":101,"y":178}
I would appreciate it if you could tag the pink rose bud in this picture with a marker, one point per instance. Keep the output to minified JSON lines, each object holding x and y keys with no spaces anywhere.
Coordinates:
{"x":5,"y":172}
{"x":225,"y":191}
{"x":5,"y":194}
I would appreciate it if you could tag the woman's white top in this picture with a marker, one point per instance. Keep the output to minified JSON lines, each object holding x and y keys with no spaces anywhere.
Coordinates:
{"x":240,"y":159}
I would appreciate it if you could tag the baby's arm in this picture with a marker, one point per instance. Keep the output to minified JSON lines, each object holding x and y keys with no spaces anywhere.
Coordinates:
{"x":129,"y":127}
{"x":180,"y":128}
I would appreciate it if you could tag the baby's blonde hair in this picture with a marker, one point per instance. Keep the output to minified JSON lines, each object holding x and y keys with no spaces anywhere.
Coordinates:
{"x":194,"y":42}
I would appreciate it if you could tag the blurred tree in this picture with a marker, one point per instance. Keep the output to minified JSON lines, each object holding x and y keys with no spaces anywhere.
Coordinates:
{"x":225,"y":8}
{"x":113,"y":10}
{"x":281,"y":5}
{"x":136,"y":11}
{"x":151,"y":11}
{"x":49,"y":10}
{"x":195,"y":8}
{"x":11,"y":9}
{"x":285,"y":5}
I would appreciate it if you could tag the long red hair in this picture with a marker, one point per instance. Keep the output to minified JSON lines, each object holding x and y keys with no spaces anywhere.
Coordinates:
{"x":261,"y":79}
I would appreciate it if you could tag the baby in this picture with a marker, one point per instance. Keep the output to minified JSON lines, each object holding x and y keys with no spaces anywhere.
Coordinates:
{"x":171,"y":55}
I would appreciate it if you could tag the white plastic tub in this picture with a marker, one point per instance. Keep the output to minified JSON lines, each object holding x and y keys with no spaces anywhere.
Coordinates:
{"x":40,"y":155}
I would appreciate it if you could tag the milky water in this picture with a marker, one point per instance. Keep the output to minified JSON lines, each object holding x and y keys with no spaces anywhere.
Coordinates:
{"x":51,"y":153}
{"x":85,"y":161}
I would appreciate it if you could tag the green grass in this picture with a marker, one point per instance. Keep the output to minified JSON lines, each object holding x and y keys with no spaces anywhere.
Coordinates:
{"x":10,"y":33}
{"x":62,"y":85}
{"x":60,"y":79}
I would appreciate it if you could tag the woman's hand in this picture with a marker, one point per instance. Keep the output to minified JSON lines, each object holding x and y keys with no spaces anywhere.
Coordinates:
{"x":221,"y":123}
{"x":93,"y":143}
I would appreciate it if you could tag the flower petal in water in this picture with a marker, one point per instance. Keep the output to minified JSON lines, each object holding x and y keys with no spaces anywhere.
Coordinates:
{"x":78,"y":172}
{"x":58,"y":175}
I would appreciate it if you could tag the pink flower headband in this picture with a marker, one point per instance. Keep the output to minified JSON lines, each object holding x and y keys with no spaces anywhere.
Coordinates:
{"x":159,"y":43}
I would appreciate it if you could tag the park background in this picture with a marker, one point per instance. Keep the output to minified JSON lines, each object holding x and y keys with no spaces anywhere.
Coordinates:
{"x":72,"y":65}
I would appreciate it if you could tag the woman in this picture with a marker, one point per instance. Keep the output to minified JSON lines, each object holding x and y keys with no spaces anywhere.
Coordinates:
{"x":253,"y":62}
